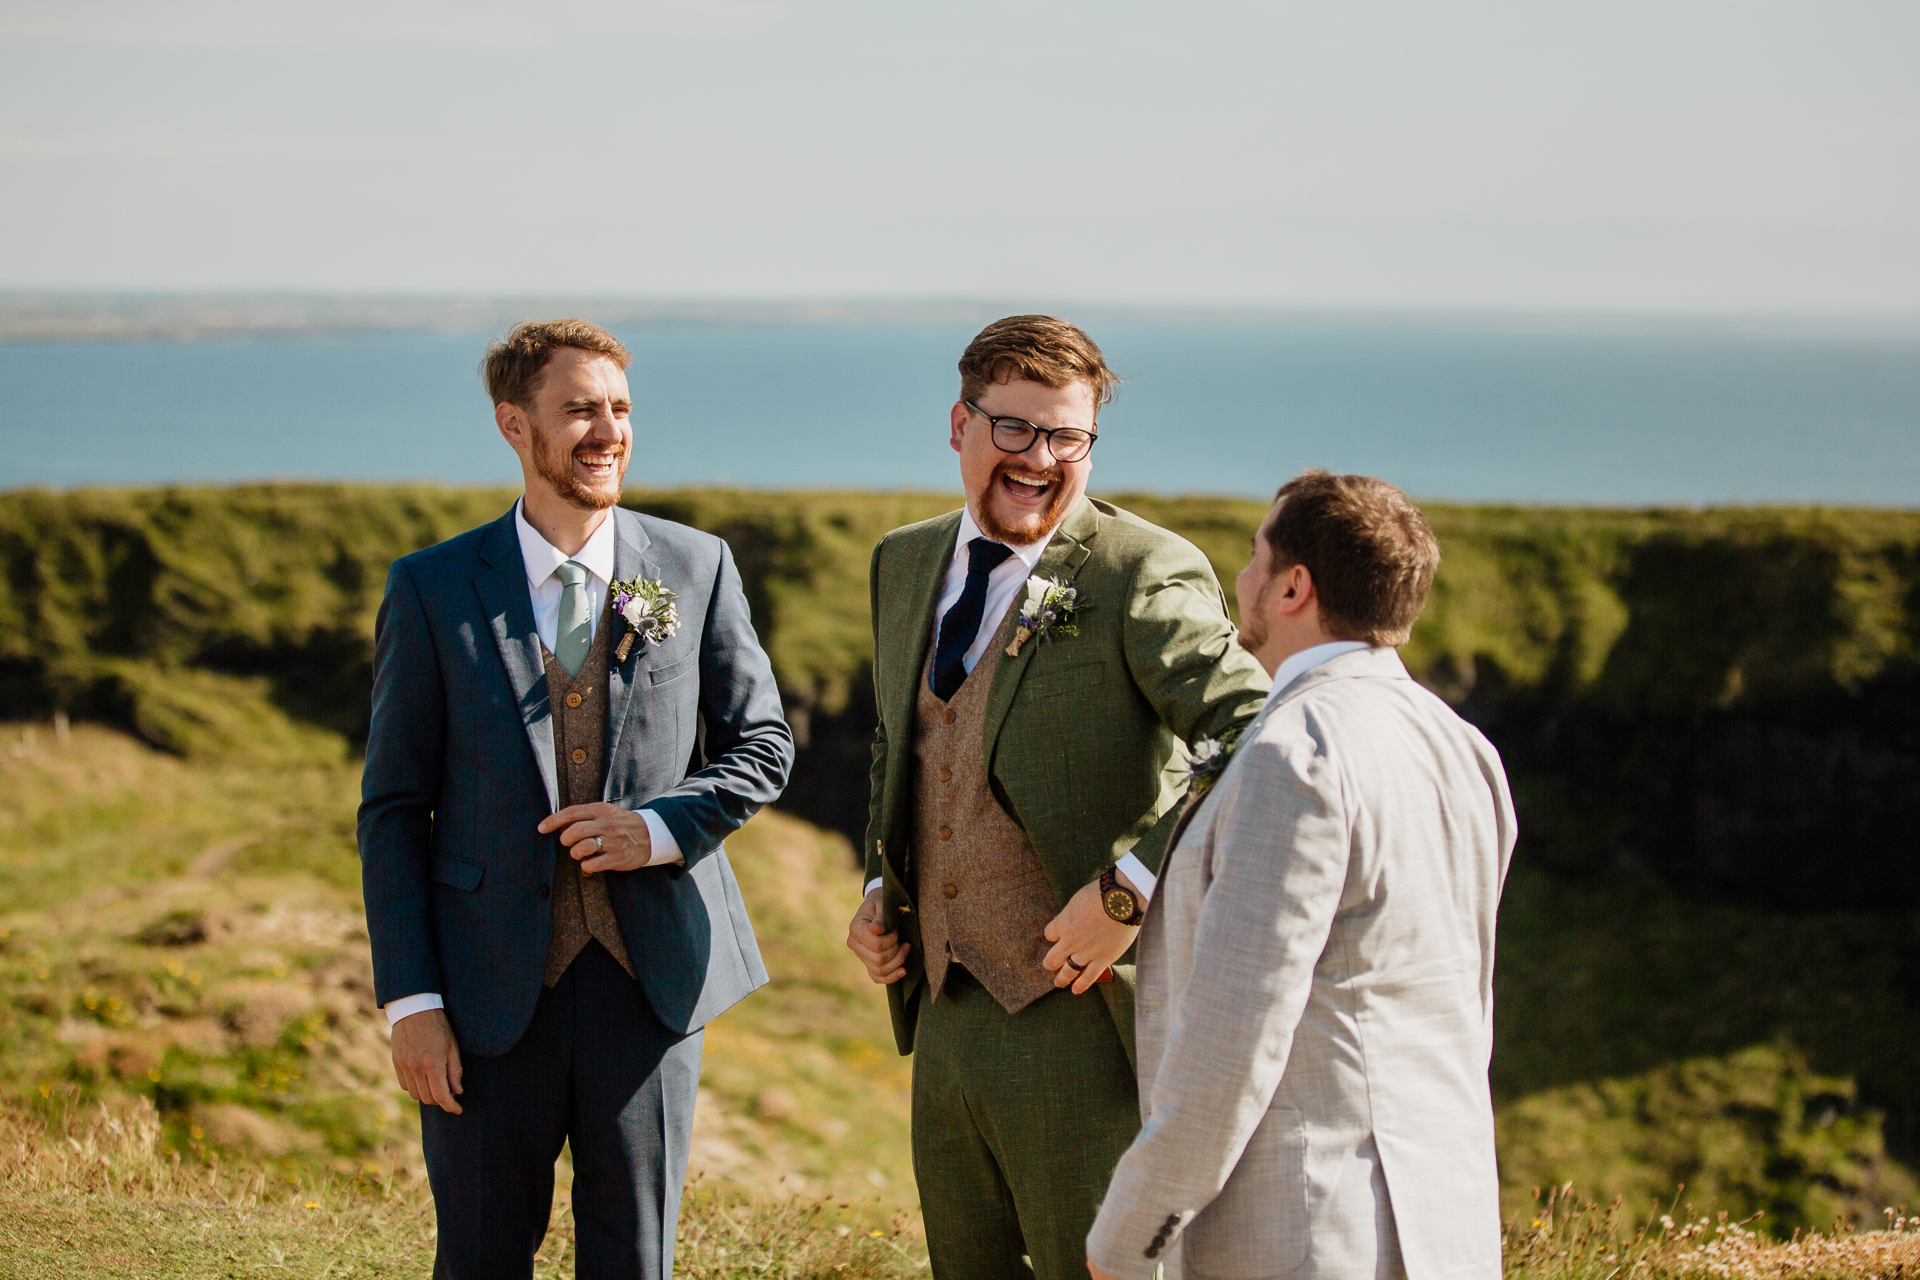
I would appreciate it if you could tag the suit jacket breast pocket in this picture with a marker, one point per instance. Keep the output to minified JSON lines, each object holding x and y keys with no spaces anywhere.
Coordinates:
{"x":672,"y":671}
{"x":1256,"y":1229}
{"x":1068,"y":679}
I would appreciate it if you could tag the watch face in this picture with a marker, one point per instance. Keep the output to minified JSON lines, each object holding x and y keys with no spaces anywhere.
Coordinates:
{"x":1119,"y":904}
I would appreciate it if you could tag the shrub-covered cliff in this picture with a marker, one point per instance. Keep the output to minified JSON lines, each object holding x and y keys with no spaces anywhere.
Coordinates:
{"x":1710,"y":949}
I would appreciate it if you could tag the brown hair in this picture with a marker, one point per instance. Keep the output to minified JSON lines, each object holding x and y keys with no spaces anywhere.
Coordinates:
{"x":1039,"y":349}
{"x":1370,"y":551}
{"x":513,"y":365}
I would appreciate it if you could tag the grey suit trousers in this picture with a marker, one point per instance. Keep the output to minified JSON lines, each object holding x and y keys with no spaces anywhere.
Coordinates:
{"x":595,"y":1069}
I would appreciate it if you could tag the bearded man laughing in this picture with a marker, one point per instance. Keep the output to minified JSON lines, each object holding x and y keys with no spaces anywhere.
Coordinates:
{"x":1036,"y":656}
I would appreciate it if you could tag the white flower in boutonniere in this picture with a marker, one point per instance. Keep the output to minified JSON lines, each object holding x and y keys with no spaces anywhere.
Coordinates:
{"x":1048,"y":611}
{"x":648,"y":610}
{"x":1209,"y":759}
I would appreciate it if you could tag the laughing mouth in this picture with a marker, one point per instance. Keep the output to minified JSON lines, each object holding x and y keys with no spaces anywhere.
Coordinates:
{"x":1026,"y":485}
{"x":598,"y":464}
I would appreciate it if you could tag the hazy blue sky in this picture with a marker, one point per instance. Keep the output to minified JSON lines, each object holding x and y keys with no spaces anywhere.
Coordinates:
{"x":1717,"y":155}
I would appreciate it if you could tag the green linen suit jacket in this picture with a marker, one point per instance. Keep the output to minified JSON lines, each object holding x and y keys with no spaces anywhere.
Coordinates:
{"x":1080,"y":729}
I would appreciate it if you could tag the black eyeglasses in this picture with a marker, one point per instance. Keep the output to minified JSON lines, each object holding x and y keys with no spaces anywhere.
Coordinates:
{"x":1016,"y":435}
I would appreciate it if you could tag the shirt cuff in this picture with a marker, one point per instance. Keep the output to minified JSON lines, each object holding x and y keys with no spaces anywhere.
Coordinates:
{"x":1136,"y":871}
{"x":407,"y":1006}
{"x":666,"y":850}
{"x":872,"y":884}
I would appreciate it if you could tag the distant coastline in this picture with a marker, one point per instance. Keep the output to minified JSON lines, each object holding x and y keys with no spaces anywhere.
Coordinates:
{"x":29,"y":316}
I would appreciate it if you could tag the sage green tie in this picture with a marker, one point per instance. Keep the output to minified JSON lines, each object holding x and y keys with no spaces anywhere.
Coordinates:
{"x":573,"y":635}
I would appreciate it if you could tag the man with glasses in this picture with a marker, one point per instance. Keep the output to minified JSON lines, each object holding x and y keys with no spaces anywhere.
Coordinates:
{"x":1036,"y":656}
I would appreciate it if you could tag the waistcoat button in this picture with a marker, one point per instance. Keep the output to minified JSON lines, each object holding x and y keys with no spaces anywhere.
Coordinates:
{"x":946,"y":775}
{"x":573,"y":699}
{"x":579,"y":755}
{"x":948,"y":717}
{"x":541,"y":892}
{"x":950,"y":891}
{"x":946,"y":833}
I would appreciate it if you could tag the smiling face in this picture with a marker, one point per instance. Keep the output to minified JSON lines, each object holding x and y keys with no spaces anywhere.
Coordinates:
{"x":574,"y":440}
{"x":1019,"y":498}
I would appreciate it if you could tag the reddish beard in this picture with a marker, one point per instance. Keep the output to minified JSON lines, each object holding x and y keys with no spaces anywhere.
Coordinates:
{"x":556,"y":468}
{"x":1035,"y":526}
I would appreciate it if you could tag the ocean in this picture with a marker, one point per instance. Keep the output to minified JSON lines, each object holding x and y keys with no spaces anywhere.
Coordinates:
{"x":1615,"y":414}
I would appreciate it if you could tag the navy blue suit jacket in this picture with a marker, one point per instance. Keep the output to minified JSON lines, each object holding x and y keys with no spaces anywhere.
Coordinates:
{"x":460,"y":773}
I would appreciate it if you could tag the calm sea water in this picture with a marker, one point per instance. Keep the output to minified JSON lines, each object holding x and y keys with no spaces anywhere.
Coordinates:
{"x":1655,"y":415}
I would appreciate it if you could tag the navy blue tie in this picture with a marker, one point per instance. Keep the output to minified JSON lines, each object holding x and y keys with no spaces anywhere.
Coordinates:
{"x":961,"y":627}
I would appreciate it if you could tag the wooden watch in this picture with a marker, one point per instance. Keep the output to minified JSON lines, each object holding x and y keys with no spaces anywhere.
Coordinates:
{"x":1119,"y":901}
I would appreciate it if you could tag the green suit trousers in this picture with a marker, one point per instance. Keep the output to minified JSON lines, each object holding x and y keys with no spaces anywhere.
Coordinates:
{"x":1018,"y":1122}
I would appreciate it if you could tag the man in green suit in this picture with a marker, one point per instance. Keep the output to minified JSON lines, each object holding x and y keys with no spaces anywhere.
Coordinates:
{"x":1036,"y":656}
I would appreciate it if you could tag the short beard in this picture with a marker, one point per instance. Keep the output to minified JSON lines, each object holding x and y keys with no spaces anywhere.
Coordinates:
{"x":1253,"y":630}
{"x":558,"y":472}
{"x":1026,"y":535}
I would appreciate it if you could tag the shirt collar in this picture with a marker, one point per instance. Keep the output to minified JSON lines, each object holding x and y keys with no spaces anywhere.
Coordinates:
{"x":1297,"y":665}
{"x":1028,"y":555}
{"x":542,"y":557}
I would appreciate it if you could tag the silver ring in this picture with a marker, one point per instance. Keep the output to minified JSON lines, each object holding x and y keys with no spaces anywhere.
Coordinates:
{"x":599,"y":845}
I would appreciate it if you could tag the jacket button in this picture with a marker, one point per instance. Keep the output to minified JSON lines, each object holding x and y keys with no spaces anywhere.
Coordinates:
{"x":947,"y":715}
{"x":573,"y":699}
{"x":946,"y":775}
{"x":946,"y":833}
{"x":950,"y":891}
{"x":540,"y":892}
{"x":579,"y":755}
{"x":1153,"y":1251}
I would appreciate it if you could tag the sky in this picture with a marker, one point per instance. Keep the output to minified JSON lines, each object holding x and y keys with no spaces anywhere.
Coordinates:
{"x":1626,"y":156}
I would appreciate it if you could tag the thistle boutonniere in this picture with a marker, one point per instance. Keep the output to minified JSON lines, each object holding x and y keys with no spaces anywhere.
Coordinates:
{"x":648,"y":610}
{"x":1210,"y":757}
{"x":1048,"y":611}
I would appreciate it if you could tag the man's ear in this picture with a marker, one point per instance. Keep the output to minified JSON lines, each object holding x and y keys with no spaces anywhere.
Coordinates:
{"x":513,"y":424}
{"x":958,"y":420}
{"x":1296,"y":588}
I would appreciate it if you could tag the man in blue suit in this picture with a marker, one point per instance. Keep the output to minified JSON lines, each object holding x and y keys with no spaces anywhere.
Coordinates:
{"x":570,"y":712}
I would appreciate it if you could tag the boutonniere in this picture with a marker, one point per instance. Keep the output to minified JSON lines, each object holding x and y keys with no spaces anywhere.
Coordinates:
{"x":1048,"y":611}
{"x":1210,"y":757}
{"x":648,"y":610}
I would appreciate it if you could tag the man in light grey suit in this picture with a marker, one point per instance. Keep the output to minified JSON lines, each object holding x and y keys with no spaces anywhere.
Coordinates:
{"x":1316,"y":972}
{"x":549,"y":776}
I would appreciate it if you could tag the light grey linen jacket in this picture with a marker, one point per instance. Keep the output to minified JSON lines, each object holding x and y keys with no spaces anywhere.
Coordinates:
{"x":1316,"y":1000}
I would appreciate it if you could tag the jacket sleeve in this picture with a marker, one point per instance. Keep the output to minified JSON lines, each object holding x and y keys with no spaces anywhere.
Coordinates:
{"x":749,"y":746}
{"x":877,"y":775}
{"x":399,"y":790}
{"x":1184,"y":655}
{"x":1278,"y":868}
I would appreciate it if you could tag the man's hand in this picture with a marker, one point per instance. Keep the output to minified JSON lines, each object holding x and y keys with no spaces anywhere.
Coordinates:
{"x":602,"y":837}
{"x":878,"y":948}
{"x":426,"y":1059}
{"x":1084,"y":931}
{"x":1096,"y":1272}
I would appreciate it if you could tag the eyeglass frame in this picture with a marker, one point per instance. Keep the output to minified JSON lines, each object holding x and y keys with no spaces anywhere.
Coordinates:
{"x":1039,"y":433}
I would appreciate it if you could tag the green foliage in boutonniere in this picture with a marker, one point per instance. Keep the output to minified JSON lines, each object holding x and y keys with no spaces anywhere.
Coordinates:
{"x":1047,"y":612}
{"x":648,"y":610}
{"x":1210,"y":757}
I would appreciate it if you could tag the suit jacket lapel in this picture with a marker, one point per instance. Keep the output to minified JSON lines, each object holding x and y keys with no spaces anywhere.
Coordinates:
{"x":502,"y":587}
{"x":1061,"y":561}
{"x":906,"y":632}
{"x":630,"y":561}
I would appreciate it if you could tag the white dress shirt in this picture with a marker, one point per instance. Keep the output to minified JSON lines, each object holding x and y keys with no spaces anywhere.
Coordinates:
{"x":542,"y":558}
{"x":1297,"y":665}
{"x":1004,"y":583}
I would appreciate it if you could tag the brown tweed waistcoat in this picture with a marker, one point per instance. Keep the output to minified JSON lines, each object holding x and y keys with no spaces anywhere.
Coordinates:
{"x":581,"y":908}
{"x":983,"y":897}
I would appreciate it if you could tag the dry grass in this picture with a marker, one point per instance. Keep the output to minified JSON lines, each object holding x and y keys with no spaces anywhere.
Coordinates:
{"x":95,"y":1191}
{"x":1569,"y":1238}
